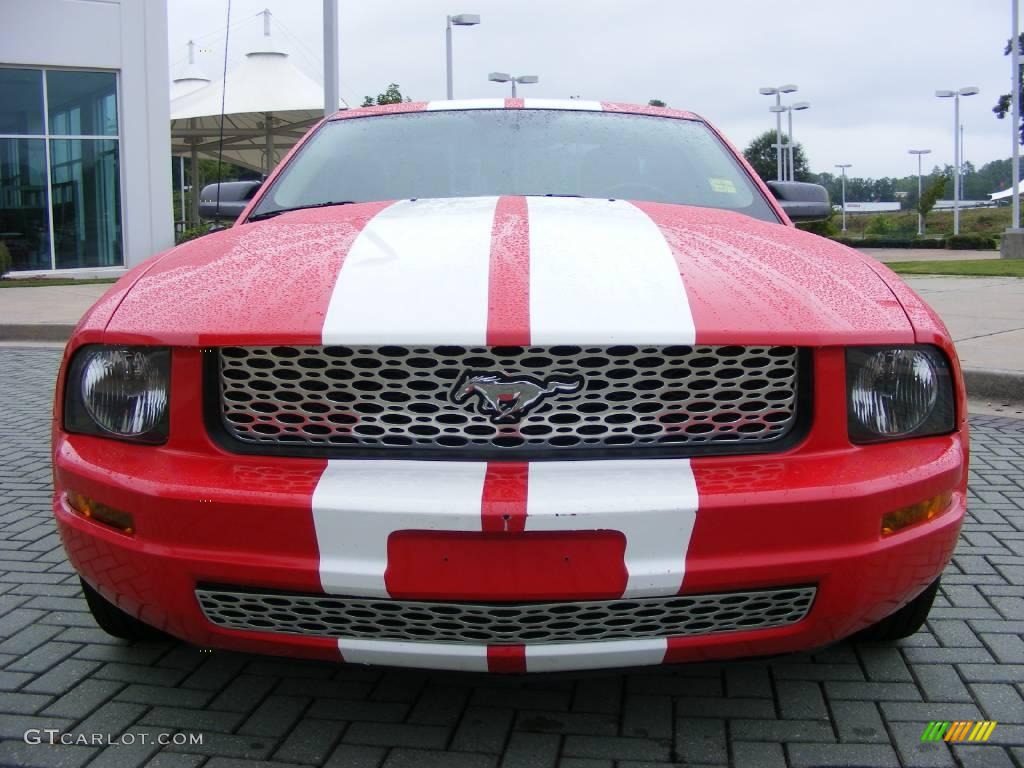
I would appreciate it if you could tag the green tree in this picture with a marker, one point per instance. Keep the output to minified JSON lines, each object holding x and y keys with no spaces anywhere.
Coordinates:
{"x":656,"y":103}
{"x":883,"y":189}
{"x":1003,"y":107}
{"x":392,"y":95}
{"x":760,"y":153}
{"x":992,"y":177}
{"x":931,"y":195}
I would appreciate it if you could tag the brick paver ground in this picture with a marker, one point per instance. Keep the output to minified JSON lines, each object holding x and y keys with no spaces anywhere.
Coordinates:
{"x":852,"y":704}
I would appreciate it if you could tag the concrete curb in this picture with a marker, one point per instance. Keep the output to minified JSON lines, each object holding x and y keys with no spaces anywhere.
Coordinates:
{"x":35,"y":331}
{"x":994,"y":384}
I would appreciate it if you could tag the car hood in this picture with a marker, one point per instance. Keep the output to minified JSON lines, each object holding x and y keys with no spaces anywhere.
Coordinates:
{"x":510,"y":270}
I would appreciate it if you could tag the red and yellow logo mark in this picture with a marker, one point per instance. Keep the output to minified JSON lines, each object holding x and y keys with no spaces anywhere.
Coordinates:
{"x":959,"y":730}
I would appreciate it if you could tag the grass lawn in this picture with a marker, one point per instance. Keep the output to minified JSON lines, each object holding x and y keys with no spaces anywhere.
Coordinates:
{"x":44,"y":282}
{"x":973,"y":267}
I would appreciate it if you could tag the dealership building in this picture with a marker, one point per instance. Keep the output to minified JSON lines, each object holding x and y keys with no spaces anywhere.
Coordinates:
{"x":85,"y":178}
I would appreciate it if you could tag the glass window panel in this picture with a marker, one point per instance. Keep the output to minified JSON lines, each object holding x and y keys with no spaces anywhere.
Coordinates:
{"x":86,"y":202}
{"x":24,"y":214}
{"x":82,"y":103}
{"x":21,"y":106}
{"x":517,"y":152}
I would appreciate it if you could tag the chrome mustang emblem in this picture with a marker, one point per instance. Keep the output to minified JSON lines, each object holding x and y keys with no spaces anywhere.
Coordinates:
{"x":507,"y":399}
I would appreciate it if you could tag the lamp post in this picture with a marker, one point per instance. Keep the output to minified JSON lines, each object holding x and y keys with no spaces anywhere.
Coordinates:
{"x":799,"y":106}
{"x":780,"y":164}
{"x":504,"y":77}
{"x":459,"y":20}
{"x":789,"y":163}
{"x":955,"y":95}
{"x":777,"y":92}
{"x":331,"y":44}
{"x":842,"y":168}
{"x":1015,"y":103}
{"x":920,"y":218}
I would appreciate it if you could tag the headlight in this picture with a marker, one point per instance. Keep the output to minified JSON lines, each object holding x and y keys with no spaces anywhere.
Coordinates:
{"x":895,"y":392}
{"x":119,"y":392}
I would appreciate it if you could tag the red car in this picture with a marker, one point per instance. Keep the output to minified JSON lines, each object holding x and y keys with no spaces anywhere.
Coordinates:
{"x":512,"y":385}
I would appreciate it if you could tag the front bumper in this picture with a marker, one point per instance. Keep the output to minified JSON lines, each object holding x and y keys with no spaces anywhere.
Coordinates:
{"x":416,"y":531}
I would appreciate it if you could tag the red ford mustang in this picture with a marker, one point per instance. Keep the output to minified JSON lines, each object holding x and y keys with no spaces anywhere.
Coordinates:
{"x":511,"y":385}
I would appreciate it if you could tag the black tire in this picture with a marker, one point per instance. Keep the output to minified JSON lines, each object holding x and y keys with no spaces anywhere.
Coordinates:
{"x":906,"y":621}
{"x":116,"y":622}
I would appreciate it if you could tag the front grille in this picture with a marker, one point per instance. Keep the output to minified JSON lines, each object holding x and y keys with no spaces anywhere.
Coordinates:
{"x":599,"y":398}
{"x":504,"y":623}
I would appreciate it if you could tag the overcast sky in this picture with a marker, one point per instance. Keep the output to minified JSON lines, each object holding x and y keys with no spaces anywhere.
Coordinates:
{"x":869,"y":68}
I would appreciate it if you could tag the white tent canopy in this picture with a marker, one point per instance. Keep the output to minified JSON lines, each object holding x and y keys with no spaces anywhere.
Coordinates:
{"x":190,"y":78}
{"x":268,"y":104}
{"x":1008,"y":192}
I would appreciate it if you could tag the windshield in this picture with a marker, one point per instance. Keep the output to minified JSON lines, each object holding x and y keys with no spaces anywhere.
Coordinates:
{"x":470,"y":153}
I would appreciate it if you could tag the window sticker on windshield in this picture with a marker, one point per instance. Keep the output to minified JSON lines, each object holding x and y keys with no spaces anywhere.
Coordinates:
{"x":722,"y":185}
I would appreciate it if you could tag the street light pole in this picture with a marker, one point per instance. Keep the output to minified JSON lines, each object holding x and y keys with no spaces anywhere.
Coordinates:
{"x":778,"y":109}
{"x":842,"y":167}
{"x":459,"y":20}
{"x":920,"y":218}
{"x":504,"y":77}
{"x":789,"y":141}
{"x":778,"y":136}
{"x":332,"y":94}
{"x":1015,"y":101}
{"x":448,"y":58}
{"x":800,"y":105}
{"x":780,"y":150}
{"x":956,"y":164}
{"x":955,"y":95}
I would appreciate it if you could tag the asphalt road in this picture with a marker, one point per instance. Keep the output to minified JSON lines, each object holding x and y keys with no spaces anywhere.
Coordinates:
{"x":849,"y":705}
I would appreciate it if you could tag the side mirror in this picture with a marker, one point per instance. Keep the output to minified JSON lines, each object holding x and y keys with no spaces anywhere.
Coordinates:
{"x":801,"y":201}
{"x":234,"y":196}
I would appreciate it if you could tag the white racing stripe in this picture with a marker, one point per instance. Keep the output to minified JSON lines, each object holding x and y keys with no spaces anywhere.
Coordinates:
{"x":547,"y":657}
{"x":434,"y":106}
{"x":556,"y":657}
{"x":601,"y":272}
{"x":358,"y":504}
{"x":653,"y":502}
{"x":416,"y":274}
{"x":399,"y":653}
{"x":581,"y":104}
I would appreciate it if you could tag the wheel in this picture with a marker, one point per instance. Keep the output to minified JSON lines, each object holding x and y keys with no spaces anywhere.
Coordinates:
{"x":906,"y":621}
{"x":116,"y":622}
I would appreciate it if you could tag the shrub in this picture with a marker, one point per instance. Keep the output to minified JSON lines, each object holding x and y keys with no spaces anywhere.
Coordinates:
{"x":825,"y":227}
{"x":882,"y":226}
{"x":891,"y":242}
{"x":5,"y":259}
{"x":971,"y":243}
{"x":891,"y":226}
{"x":191,"y":234}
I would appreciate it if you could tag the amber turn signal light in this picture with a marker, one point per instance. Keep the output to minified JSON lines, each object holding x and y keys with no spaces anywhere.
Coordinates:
{"x":903,"y":517}
{"x":101,"y":513}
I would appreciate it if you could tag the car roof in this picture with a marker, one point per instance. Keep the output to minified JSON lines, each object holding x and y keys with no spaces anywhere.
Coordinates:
{"x":580,"y":105}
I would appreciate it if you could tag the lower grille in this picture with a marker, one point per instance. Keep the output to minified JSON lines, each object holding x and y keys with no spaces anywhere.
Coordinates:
{"x":504,"y":623}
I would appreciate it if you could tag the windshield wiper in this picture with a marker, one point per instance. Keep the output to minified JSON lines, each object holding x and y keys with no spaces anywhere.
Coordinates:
{"x":271,"y":214}
{"x":551,"y":194}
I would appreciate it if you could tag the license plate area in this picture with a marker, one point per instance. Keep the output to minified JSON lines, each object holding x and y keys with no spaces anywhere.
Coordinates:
{"x":506,"y":567}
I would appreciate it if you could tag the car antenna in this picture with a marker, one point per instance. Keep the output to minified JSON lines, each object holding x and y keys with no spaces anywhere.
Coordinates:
{"x":223,"y":96}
